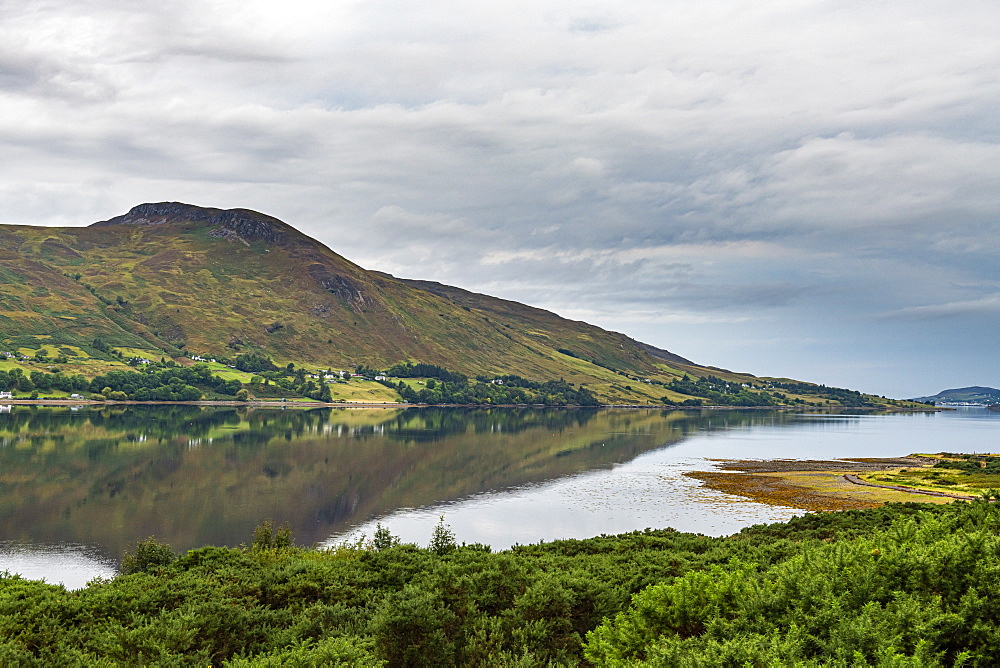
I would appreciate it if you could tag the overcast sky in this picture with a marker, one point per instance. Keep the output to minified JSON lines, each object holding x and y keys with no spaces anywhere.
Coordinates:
{"x":785,"y":187}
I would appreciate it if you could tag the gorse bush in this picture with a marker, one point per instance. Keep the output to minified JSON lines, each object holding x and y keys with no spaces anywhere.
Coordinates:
{"x":146,"y":556}
{"x":265,"y":537}
{"x":904,"y":585}
{"x":917,"y":594}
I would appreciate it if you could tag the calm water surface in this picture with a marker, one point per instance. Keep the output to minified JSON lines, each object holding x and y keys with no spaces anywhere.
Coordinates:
{"x":78,"y":486}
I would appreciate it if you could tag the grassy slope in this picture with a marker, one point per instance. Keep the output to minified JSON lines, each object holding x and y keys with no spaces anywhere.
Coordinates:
{"x":169,"y":278}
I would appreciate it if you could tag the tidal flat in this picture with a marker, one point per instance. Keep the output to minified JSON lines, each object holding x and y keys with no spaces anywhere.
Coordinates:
{"x":813,"y":485}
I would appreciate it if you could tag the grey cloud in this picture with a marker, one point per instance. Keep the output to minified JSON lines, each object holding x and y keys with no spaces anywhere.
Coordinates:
{"x":29,"y":73}
{"x":799,"y":167}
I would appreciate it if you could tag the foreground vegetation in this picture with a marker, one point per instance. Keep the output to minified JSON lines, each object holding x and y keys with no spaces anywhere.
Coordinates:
{"x":902,"y":585}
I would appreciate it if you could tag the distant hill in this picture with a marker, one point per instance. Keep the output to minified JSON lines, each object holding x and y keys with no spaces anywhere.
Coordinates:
{"x":965,"y":395}
{"x":176,"y":280}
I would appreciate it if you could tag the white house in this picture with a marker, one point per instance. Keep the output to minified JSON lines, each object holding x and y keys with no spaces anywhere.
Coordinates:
{"x":6,"y":395}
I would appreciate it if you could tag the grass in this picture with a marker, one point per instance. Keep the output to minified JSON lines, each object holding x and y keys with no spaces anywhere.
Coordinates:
{"x":229,"y":374}
{"x":88,"y":367}
{"x":147,"y":353}
{"x":932,"y":481}
{"x":950,"y":481}
{"x":361,"y":391}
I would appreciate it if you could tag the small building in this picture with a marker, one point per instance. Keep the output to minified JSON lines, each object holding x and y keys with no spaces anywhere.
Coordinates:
{"x":6,"y":395}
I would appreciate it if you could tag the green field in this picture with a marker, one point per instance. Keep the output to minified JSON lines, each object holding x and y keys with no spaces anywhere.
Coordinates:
{"x":951,"y":473}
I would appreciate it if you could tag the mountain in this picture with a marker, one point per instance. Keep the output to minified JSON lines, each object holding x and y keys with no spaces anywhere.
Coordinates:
{"x":965,"y":395}
{"x":173,"y":280}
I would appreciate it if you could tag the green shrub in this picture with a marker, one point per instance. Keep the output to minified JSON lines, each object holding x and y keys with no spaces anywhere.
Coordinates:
{"x":349,"y":652}
{"x":146,"y":556}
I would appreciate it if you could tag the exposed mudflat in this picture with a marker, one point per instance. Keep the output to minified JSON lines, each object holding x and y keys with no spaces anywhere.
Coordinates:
{"x":845,"y":465}
{"x":817,"y":485}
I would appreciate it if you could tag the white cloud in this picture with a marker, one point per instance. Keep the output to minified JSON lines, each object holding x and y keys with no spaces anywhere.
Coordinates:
{"x":806,"y":160}
{"x":988,"y":305}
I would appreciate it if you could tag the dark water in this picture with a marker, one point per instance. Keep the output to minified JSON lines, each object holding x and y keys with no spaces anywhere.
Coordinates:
{"x":78,"y":486}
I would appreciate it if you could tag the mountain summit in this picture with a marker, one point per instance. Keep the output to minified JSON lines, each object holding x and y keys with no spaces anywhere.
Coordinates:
{"x":244,"y":224}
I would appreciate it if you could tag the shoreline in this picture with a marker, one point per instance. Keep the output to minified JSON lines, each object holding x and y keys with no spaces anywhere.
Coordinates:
{"x":818,"y":485}
{"x":388,"y":404}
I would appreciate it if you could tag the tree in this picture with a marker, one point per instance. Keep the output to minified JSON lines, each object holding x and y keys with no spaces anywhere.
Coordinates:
{"x":146,"y":555}
{"x":442,"y":538}
{"x":383,"y":538}
{"x":254,"y":362}
{"x":324,"y":394}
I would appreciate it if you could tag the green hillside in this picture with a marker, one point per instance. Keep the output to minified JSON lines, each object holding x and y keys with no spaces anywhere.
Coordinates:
{"x":174,"y":280}
{"x":965,"y":395}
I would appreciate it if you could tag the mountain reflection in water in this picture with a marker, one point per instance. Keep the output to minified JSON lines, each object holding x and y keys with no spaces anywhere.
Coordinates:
{"x":192,"y":476}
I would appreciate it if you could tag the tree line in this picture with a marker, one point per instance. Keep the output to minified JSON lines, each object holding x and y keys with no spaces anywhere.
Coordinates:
{"x":718,"y":392}
{"x":504,"y":390}
{"x":851,"y":398}
{"x":162,"y":382}
{"x":16,"y":379}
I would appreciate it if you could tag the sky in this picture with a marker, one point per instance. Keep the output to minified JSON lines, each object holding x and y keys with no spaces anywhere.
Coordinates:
{"x":798,"y":188}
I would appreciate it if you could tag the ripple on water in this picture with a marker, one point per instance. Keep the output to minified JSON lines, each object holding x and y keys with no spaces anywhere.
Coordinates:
{"x":69,"y":564}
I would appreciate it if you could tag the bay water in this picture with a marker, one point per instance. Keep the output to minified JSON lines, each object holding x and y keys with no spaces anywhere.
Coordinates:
{"x":79,"y":485}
